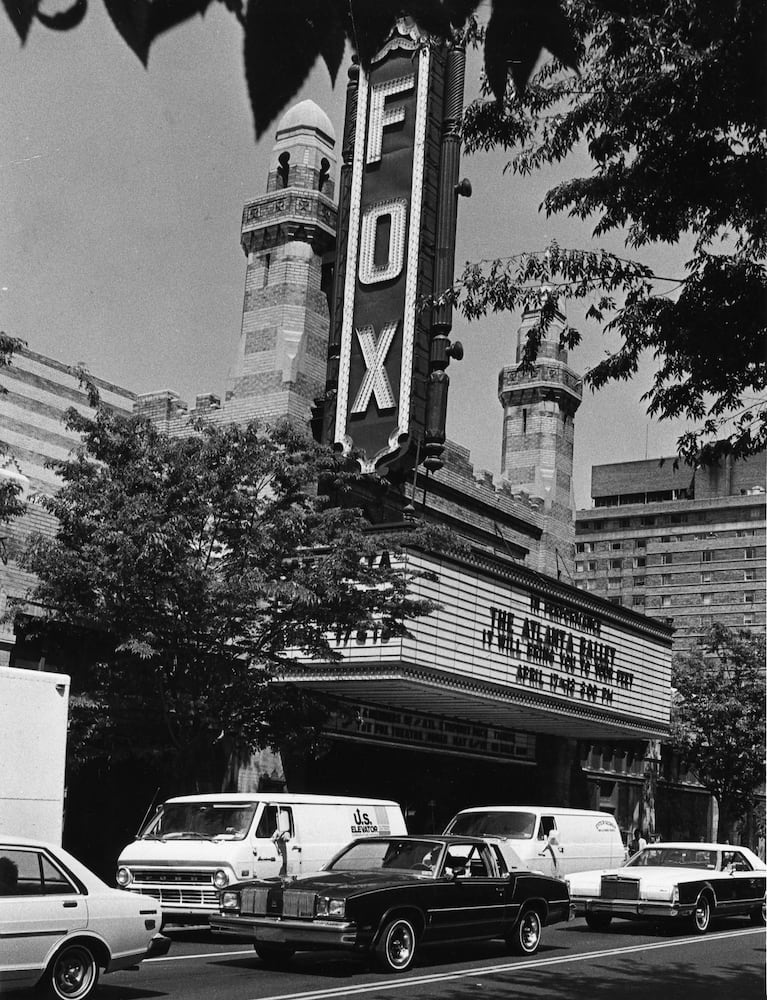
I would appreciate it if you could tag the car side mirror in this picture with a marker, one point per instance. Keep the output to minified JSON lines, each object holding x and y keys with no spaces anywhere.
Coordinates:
{"x":458,"y":873}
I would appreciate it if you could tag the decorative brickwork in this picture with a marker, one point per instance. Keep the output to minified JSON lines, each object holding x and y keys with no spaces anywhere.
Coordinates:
{"x":539,"y":408}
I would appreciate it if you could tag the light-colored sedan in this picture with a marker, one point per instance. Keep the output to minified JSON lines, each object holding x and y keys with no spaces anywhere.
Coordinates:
{"x":60,"y":925}
{"x":687,"y":881}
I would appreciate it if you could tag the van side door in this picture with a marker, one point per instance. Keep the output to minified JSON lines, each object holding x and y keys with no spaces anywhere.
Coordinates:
{"x":549,"y":847}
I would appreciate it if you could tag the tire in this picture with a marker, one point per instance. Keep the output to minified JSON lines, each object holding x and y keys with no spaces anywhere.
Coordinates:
{"x":73,"y":973}
{"x":700,"y":921}
{"x":275,"y":956}
{"x":598,"y":921}
{"x":395,"y":948}
{"x":525,"y":936}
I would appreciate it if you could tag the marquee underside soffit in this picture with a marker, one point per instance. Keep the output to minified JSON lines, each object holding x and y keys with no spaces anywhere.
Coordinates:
{"x":412,"y":690}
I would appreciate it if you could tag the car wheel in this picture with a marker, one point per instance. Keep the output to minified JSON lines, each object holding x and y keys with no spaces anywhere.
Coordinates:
{"x":73,"y":973}
{"x":598,"y":921}
{"x":525,"y":935}
{"x":701,"y":918}
{"x":759,"y":915}
{"x":395,"y":948}
{"x":276,"y":956}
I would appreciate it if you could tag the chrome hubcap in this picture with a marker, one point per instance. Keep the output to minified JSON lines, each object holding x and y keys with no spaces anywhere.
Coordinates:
{"x":400,"y":945}
{"x":73,"y":974}
{"x":529,"y":931}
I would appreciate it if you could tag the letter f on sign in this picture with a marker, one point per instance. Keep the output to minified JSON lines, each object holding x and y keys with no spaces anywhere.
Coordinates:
{"x":381,"y":116}
{"x":375,"y":379}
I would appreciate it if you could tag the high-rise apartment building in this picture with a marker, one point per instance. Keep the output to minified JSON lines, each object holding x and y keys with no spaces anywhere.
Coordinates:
{"x":677,"y":543}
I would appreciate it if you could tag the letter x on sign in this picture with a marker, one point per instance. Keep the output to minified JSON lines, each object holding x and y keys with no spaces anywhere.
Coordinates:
{"x":375,"y":380}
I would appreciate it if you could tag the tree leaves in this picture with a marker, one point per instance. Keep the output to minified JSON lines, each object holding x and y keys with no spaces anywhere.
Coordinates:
{"x":203,"y":562}
{"x":64,"y":20}
{"x":671,"y":105}
{"x":718,"y":715}
{"x":517,"y":33}
{"x":140,"y":22}
{"x":283,"y":40}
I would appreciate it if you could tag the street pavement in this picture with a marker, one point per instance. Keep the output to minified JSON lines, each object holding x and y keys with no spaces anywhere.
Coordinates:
{"x":631,"y":962}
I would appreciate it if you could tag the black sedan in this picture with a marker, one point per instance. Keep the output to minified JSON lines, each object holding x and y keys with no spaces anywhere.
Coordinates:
{"x":387,"y":896}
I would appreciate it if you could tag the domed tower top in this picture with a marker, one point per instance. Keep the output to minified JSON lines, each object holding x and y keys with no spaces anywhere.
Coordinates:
{"x":304,"y":151}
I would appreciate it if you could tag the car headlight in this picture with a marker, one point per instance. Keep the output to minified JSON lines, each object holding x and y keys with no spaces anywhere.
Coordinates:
{"x":124,"y":877}
{"x":334,"y":908}
{"x":675,"y":894}
{"x":229,"y":900}
{"x":220,"y":879}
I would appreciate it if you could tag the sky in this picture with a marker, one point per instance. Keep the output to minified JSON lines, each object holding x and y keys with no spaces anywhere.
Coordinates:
{"x":121,"y":194}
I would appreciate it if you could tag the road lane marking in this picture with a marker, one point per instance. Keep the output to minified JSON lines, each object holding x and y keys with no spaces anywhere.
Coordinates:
{"x":482,"y":971}
{"x":442,"y":977}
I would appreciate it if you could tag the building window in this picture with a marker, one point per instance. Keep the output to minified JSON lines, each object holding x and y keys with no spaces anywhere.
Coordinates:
{"x":615,"y":546}
{"x":639,"y":581}
{"x":705,"y":577}
{"x":613,"y":583}
{"x":579,"y":567}
{"x":266,"y":263}
{"x":647,"y":521}
{"x":592,"y":565}
{"x":639,"y":562}
{"x":666,"y":559}
{"x":616,"y":564}
{"x":665,"y":538}
{"x":584,"y":547}
{"x":705,"y":598}
{"x":750,"y":554}
{"x":678,"y":519}
{"x":665,"y":579}
{"x":749,"y":574}
{"x":524,"y":421}
{"x":638,"y":601}
{"x":596,"y":525}
{"x":584,"y":584}
{"x":614,"y":600}
{"x":665,"y":601}
{"x":749,"y":597}
{"x":748,"y":619}
{"x":707,"y":555}
{"x":641,"y":543}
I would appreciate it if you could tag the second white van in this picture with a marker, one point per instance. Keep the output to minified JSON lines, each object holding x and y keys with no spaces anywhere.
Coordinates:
{"x":546,"y":838}
{"x":195,"y":845}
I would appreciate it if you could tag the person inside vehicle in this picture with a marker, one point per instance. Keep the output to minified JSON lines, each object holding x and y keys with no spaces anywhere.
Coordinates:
{"x":9,"y":877}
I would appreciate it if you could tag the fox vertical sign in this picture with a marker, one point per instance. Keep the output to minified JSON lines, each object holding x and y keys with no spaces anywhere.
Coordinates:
{"x":379,"y":357}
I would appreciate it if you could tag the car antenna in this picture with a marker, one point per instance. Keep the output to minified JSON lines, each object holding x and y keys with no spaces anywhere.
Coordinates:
{"x":149,"y":809}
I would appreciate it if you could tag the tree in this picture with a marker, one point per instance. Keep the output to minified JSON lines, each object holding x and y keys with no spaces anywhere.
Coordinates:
{"x":670,"y":107}
{"x":190,"y":569}
{"x":718,"y":719}
{"x":313,"y":29}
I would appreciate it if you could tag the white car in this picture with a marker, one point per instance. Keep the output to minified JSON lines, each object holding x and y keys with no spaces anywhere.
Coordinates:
{"x":60,"y":925}
{"x":687,"y":881}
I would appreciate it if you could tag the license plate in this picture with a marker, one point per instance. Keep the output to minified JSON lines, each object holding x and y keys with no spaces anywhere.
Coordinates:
{"x":270,"y":934}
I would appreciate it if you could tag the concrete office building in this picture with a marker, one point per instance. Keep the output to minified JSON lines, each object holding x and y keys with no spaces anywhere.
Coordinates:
{"x":676,"y":543}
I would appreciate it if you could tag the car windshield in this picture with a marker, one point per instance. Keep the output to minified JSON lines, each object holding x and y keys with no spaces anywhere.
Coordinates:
{"x":387,"y":855}
{"x":200,"y":821}
{"x":674,"y":857}
{"x":517,"y":825}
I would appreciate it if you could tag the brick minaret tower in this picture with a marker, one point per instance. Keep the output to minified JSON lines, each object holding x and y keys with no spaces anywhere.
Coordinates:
{"x":537,"y":451}
{"x":288,"y":235}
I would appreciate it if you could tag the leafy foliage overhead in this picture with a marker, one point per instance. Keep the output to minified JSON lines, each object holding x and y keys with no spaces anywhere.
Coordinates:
{"x":283,"y":41}
{"x":671,"y":108}
{"x":192,"y":566}
{"x":718,"y":717}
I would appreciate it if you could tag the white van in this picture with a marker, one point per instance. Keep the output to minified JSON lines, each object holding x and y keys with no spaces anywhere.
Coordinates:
{"x":195,"y":845}
{"x":546,"y":838}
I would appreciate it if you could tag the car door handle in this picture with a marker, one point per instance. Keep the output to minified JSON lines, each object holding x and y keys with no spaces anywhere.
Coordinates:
{"x":69,"y":904}
{"x":295,"y":848}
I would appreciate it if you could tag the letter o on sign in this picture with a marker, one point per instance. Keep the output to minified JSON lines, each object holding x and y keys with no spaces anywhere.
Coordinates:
{"x":370,"y":273}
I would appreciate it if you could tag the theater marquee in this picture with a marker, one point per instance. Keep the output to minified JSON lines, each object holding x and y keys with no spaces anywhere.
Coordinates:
{"x":509,"y":647}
